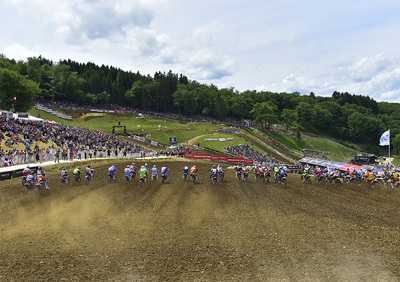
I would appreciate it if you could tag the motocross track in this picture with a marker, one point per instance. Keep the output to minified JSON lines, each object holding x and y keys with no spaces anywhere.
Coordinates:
{"x":181,"y":231}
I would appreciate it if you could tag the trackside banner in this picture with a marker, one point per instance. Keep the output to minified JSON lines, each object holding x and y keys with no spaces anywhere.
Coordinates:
{"x":218,"y":158}
{"x":201,"y":156}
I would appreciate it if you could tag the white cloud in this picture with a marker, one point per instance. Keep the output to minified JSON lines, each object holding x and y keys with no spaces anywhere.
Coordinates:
{"x":18,"y":52}
{"x":377,"y":76}
{"x":273,"y":46}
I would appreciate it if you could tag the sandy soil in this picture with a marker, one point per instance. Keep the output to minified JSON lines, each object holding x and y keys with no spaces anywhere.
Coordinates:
{"x":180,"y":231}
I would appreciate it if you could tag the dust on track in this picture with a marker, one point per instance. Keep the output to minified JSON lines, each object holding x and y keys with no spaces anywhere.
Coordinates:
{"x":181,"y":231}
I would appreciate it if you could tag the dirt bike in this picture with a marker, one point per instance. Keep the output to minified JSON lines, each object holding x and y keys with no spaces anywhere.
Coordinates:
{"x":356,"y":180}
{"x":305,"y":178}
{"x":88,"y":177}
{"x":76,"y":180}
{"x":185,"y":176}
{"x":276,"y":178}
{"x":142,"y":180}
{"x":163,"y":178}
{"x":112,"y":177}
{"x":238,"y":174}
{"x":245,"y":176}
{"x":385,"y":181}
{"x":64,"y":181}
{"x":194,"y":177}
{"x":43,"y":182}
{"x":373,"y":183}
{"x":30,"y":186}
{"x":320,"y":178}
{"x":266,"y":177}
{"x":214,"y":179}
{"x":283,"y":181}
{"x":128,"y":179}
{"x":154,"y":177}
{"x":392,"y":183}
{"x":336,"y":180}
{"x":221,"y":176}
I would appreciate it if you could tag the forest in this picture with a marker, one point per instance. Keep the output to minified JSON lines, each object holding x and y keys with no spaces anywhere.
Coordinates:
{"x":344,"y":116}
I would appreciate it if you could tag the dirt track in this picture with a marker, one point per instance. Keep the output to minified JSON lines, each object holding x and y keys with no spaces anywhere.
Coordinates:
{"x":232,"y":231}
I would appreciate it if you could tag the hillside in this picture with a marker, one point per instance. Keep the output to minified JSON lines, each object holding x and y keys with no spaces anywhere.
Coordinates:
{"x":283,"y":148}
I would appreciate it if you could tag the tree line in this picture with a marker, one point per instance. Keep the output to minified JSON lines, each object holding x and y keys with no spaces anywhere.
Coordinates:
{"x":345,"y":116}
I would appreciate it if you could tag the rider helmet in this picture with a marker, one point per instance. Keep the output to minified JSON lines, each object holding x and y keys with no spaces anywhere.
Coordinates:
{"x":128,"y":166}
{"x":154,"y":166}
{"x":213,"y":166}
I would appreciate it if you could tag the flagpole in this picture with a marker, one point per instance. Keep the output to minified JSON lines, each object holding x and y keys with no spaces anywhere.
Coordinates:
{"x":389,"y":150}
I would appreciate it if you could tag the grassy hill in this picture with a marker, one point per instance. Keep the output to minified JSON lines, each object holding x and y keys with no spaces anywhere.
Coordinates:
{"x":284,"y":147}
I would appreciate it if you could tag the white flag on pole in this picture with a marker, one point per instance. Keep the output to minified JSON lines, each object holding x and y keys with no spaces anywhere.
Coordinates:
{"x":385,"y":138}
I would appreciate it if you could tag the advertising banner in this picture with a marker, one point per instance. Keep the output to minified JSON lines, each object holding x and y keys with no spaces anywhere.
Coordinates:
{"x":219,"y":158}
{"x":234,"y":160}
{"x":138,"y":138}
{"x":201,"y":156}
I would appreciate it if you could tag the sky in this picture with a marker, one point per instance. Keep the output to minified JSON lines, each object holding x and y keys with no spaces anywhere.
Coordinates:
{"x":278,"y":46}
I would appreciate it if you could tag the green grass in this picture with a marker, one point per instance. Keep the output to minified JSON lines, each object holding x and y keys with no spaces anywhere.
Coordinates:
{"x":160,"y":130}
{"x":290,"y":142}
{"x":325,"y":145}
{"x":396,"y":161}
{"x":47,"y":116}
{"x":220,"y":145}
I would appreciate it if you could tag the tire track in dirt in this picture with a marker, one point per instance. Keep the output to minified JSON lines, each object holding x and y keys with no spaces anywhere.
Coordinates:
{"x":180,"y":231}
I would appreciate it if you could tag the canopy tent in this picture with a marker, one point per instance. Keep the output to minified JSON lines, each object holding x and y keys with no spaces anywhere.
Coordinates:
{"x":338,"y":165}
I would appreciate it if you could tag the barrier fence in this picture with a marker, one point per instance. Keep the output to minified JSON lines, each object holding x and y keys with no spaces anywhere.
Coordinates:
{"x":51,"y":156}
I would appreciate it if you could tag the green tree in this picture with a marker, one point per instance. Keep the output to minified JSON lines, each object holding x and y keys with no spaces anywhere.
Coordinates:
{"x":322,"y":118}
{"x":306,"y":113}
{"x":13,"y":84}
{"x":134,"y":95}
{"x":358,"y":126}
{"x":190,"y":103}
{"x":290,"y":118}
{"x":264,"y":112}
{"x":396,"y":144}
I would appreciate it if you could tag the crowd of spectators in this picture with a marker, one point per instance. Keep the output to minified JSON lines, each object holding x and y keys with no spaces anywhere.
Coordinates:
{"x":68,"y":142}
{"x":248,"y":152}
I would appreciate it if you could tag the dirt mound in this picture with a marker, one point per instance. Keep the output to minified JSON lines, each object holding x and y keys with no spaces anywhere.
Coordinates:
{"x":179,"y":230}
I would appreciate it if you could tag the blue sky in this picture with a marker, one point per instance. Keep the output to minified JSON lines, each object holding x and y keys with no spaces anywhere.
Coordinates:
{"x":279,"y":46}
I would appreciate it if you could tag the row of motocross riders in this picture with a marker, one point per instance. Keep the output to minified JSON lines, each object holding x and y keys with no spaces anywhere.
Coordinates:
{"x":334,"y":175}
{"x":217,"y":174}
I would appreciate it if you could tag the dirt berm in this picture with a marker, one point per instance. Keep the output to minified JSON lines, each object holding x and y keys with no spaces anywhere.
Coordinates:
{"x":181,"y":231}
